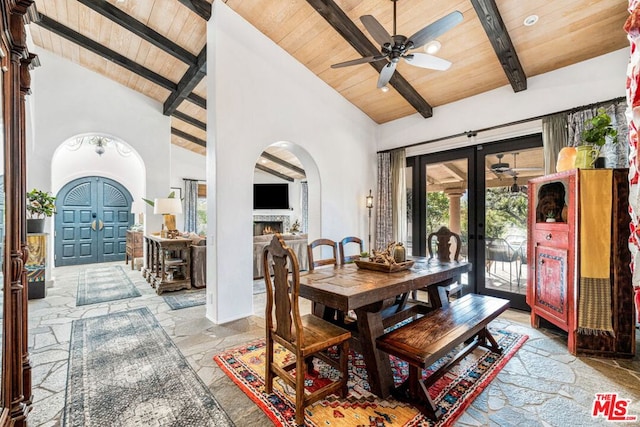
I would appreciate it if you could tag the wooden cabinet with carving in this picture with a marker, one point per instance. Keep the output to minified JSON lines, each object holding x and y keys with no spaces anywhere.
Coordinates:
{"x":134,"y":247}
{"x":578,"y":258}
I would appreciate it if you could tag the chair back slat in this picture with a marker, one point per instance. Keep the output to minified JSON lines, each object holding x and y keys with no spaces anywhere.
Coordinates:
{"x":283,"y":290}
{"x":313,"y":262}
{"x":443,"y":239}
{"x":345,"y":259}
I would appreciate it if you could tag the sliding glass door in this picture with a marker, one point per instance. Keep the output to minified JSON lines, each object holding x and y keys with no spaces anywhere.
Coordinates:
{"x":438,"y":195}
{"x":479,"y":192}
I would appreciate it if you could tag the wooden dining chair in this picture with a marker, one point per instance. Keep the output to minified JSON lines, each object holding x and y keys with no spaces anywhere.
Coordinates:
{"x":322,"y":244}
{"x":439,"y":245}
{"x":307,"y":337}
{"x":345,"y":259}
{"x":326,"y":313}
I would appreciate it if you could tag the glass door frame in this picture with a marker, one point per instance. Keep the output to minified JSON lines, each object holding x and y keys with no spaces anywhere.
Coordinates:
{"x":419,"y":166}
{"x":476,"y":176}
{"x":518,"y":301}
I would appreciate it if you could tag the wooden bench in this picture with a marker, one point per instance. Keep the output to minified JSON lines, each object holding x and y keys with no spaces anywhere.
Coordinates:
{"x":429,"y":338}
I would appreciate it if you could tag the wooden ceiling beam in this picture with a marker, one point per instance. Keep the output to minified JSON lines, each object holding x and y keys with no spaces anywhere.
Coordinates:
{"x":201,"y":7}
{"x":110,"y":55}
{"x":274,"y":173}
{"x":198,"y":100}
{"x":281,"y":162}
{"x":188,"y":119}
{"x":491,"y":20}
{"x":336,"y":17}
{"x":188,"y":137}
{"x":138,"y":28}
{"x":187,"y":83}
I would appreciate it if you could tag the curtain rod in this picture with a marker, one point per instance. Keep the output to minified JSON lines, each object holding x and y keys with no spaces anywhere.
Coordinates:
{"x":194,"y":179}
{"x":517,"y":122}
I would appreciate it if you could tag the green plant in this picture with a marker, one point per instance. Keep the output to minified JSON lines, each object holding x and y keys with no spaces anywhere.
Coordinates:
{"x":599,"y":128}
{"x":364,"y":254}
{"x":40,"y":204}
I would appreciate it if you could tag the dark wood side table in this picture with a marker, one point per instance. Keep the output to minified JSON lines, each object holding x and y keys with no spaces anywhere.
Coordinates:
{"x":167,"y":263}
{"x":134,"y":247}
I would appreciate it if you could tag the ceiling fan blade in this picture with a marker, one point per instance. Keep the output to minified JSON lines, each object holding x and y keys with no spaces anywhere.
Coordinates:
{"x":386,"y":73}
{"x":435,"y":29}
{"x":376,"y":30}
{"x":359,"y":61}
{"x":427,"y":61}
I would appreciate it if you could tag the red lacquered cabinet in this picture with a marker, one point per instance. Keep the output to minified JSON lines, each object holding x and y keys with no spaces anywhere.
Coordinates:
{"x":553,"y":291}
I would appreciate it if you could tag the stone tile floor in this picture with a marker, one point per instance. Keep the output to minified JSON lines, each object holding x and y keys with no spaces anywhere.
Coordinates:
{"x":542,"y":385}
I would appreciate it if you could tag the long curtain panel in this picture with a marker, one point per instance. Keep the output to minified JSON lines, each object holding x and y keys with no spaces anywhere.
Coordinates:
{"x":632,"y":113}
{"x":616,"y":155}
{"x":191,"y":205}
{"x":554,"y":137}
{"x":304,"y":201}
{"x":399,"y":195}
{"x":384,"y":203}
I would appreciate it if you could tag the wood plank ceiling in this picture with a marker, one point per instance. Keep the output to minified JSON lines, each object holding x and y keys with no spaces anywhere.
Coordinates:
{"x":158,"y":47}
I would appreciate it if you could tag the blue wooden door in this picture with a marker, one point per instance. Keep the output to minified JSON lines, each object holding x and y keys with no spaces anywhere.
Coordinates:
{"x":91,"y":221}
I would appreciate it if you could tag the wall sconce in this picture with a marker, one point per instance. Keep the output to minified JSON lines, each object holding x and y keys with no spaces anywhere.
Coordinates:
{"x":369,"y":204}
{"x":168,"y":207}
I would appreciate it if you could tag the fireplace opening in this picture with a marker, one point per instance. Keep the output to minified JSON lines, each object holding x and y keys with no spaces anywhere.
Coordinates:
{"x":266,"y":227}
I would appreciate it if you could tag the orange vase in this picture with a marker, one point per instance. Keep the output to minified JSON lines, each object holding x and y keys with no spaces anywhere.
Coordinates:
{"x":566,"y":159}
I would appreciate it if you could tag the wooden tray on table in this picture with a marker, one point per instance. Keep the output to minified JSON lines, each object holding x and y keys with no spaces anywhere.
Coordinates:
{"x":385,"y":268}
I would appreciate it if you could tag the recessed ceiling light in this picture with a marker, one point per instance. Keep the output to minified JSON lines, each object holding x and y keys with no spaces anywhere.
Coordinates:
{"x":263,"y":161}
{"x":530,"y":20}
{"x":384,"y":89}
{"x":432,"y":47}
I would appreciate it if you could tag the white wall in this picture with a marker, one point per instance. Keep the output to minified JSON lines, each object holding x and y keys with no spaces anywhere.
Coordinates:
{"x":70,"y":100}
{"x":595,"y":80}
{"x":259,"y":95}
{"x":67,"y":165}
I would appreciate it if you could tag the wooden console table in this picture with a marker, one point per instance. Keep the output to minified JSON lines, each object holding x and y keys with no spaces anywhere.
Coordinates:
{"x":167,"y":263}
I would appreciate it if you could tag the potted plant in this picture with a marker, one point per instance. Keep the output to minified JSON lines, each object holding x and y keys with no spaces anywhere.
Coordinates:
{"x":40,"y":205}
{"x":551,"y":216}
{"x":594,"y":136}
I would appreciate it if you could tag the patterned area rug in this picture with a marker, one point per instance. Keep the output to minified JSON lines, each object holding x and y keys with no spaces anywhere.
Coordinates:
{"x":186,"y":299}
{"x":454,"y":392}
{"x":124,"y":370}
{"x":104,"y":284}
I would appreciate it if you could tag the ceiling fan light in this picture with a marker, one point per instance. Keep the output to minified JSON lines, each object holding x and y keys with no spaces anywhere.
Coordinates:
{"x":384,"y":89}
{"x":432,"y":47}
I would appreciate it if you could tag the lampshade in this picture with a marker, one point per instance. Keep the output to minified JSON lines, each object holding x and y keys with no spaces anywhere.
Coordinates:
{"x":137,"y":207}
{"x":167,"y":206}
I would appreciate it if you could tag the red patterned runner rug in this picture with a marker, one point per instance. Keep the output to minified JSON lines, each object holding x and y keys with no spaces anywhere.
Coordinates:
{"x":454,"y":392}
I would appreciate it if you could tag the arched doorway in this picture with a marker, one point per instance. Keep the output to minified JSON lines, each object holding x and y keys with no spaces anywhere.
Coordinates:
{"x":92,"y":217}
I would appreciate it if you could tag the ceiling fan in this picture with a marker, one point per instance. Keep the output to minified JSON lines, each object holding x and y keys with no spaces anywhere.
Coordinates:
{"x":397,"y":46}
{"x":501,"y":167}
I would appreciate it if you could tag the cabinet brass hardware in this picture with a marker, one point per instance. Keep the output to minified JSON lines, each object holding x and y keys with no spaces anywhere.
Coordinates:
{"x":100,"y":225}
{"x":548,"y":237}
{"x":93,"y":225}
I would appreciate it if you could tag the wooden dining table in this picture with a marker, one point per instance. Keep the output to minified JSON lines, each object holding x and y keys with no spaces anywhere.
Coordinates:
{"x":379,"y":300}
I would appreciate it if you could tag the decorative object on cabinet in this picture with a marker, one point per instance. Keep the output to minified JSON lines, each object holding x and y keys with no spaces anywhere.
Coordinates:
{"x":566,"y":159}
{"x":579,"y":277}
{"x":36,"y":265}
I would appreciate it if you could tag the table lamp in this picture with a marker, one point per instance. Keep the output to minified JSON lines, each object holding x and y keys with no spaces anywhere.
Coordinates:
{"x":138,"y":208}
{"x":168,"y":207}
